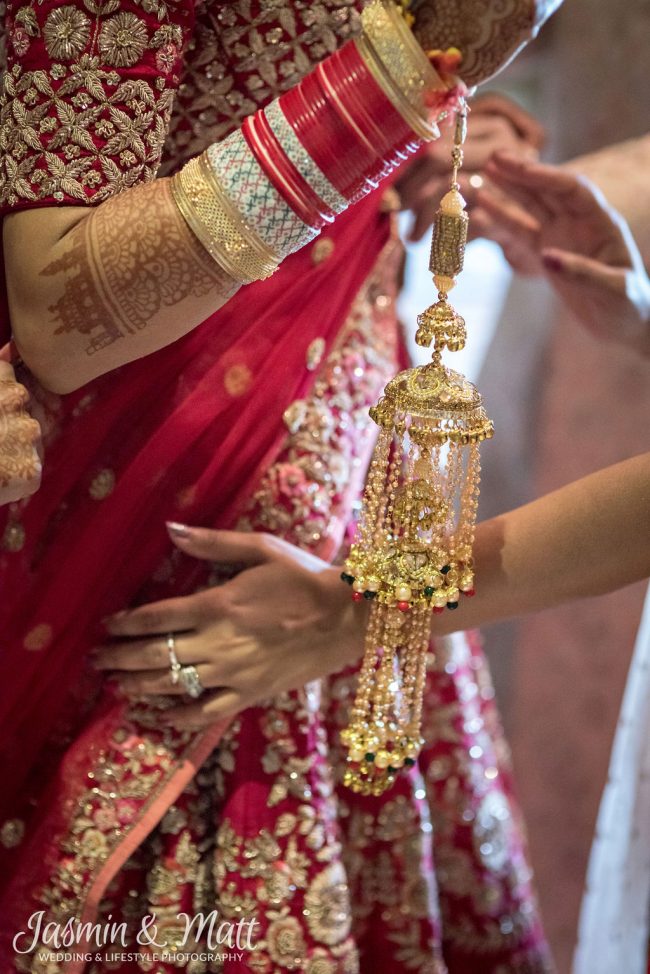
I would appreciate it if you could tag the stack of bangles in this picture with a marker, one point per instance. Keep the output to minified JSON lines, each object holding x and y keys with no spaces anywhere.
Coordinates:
{"x":269,"y":188}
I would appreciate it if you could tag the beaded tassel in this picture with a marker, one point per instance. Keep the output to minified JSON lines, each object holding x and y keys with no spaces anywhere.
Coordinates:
{"x":413,"y":549}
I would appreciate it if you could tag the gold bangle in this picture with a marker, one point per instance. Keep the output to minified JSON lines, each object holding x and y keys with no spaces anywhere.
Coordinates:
{"x":218,"y":225}
{"x":399,"y":65}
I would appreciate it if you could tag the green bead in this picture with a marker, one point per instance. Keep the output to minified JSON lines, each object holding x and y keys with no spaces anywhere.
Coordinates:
{"x":452,"y":605}
{"x":369,"y":756}
{"x":445,"y":569}
{"x":409,"y":762}
{"x":429,"y":590}
{"x":369,"y":595}
{"x":391,"y":769}
{"x":347,"y":578}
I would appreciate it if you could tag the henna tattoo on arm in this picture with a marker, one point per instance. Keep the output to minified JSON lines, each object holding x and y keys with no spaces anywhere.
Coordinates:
{"x":129,"y":259}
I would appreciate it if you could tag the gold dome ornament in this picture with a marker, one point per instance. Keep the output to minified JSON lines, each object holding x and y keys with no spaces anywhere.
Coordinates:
{"x":413,"y":550}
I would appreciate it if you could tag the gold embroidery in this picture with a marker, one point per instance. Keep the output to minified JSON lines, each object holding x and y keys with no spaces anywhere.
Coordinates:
{"x":315,"y":352}
{"x":286,"y":944}
{"x":38,"y":638}
{"x":102,"y":485}
{"x":242,"y":56}
{"x":487,"y":34}
{"x":327,"y":900}
{"x":76,"y":128}
{"x":321,"y":250}
{"x":13,"y":538}
{"x":122,"y":40}
{"x":139,"y":758}
{"x":300,"y":495}
{"x":12,"y":832}
{"x":65,"y":33}
{"x":237,"y":380}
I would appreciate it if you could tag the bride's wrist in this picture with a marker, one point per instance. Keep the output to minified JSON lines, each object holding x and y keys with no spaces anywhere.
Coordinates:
{"x":270,"y":187}
{"x":350,"y":618}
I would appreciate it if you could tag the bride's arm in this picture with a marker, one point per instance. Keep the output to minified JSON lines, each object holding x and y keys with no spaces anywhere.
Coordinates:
{"x":585,"y":539}
{"x":90,"y":290}
{"x":79,"y":310}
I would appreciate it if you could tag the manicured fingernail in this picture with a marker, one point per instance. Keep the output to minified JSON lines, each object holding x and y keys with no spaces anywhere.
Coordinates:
{"x":552,"y":263}
{"x":178,"y":530}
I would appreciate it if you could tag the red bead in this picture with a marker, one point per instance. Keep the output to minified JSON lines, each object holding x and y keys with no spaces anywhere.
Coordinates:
{"x":469,"y":593}
{"x":357,"y":596}
{"x":403,"y":606}
{"x":438,"y":609}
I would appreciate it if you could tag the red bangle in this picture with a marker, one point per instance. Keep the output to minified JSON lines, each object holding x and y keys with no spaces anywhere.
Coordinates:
{"x":283,"y":174}
{"x":369,"y":106}
{"x":346,"y":123}
{"x":327,"y":138}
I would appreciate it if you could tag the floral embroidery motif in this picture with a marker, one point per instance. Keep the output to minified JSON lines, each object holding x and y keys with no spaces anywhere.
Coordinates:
{"x":122,"y":40}
{"x":242,"y":56}
{"x":66,"y":33}
{"x":75,"y":129}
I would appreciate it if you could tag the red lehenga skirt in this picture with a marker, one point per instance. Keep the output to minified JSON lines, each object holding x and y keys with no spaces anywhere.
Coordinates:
{"x":258,"y":419}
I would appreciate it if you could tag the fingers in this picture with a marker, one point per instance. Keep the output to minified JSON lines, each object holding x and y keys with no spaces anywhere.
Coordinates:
{"x":559,"y":190}
{"x":6,"y":370}
{"x":211,"y":708}
{"x":159,"y":682}
{"x":566,"y":268}
{"x":424,"y":214}
{"x":171,"y":615}
{"x":507,"y":222}
{"x":530,"y":197}
{"x":248,"y":548}
{"x":491,"y":134}
{"x":143,"y":654}
{"x":525,"y":124}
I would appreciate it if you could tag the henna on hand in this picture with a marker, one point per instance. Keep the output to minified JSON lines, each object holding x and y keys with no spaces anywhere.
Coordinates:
{"x":19,"y":433}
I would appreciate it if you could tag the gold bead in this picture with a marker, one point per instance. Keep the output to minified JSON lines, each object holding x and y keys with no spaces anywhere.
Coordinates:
{"x":452,"y":203}
{"x":444,"y":283}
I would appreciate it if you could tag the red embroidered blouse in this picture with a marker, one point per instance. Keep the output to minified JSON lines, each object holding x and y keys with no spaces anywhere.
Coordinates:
{"x":98,"y":95}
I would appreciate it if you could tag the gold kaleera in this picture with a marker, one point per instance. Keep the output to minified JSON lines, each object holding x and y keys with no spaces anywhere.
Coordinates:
{"x":413,"y":549}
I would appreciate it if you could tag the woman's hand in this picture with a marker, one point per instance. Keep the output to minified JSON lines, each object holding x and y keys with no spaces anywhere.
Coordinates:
{"x":20,"y":465}
{"x":496,"y":124}
{"x":284,"y":620}
{"x":551,"y":221}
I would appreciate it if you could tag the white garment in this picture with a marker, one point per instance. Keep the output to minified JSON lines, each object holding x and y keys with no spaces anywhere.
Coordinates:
{"x":614,"y":920}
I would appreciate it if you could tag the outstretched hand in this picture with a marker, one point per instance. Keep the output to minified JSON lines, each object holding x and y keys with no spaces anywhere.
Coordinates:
{"x":283,"y":620}
{"x":550,"y":221}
